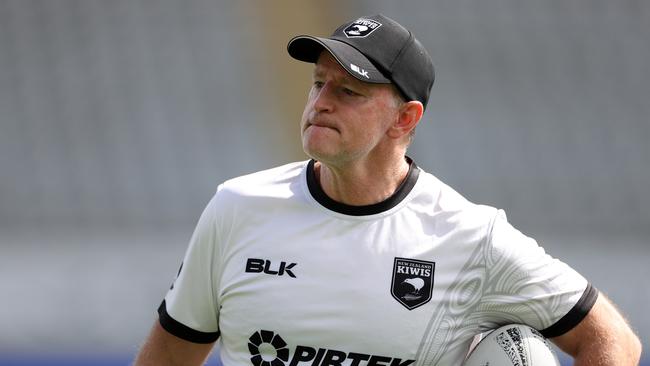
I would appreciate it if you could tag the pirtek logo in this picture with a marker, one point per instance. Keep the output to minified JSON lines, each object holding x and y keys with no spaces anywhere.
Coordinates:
{"x":310,"y":355}
{"x":254,"y":265}
{"x":331,"y":357}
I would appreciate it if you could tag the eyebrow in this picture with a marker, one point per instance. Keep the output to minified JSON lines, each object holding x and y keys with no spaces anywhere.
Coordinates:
{"x":318,"y":71}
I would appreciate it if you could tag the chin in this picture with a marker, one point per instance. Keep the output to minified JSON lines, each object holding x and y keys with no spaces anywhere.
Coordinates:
{"x":321,"y":155}
{"x":316,"y":155}
{"x":316,"y":148}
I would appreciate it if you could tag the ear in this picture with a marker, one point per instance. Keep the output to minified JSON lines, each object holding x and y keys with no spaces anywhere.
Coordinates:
{"x":409,"y":116}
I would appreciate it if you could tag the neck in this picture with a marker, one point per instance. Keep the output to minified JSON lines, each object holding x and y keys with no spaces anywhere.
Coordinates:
{"x":360,"y":184}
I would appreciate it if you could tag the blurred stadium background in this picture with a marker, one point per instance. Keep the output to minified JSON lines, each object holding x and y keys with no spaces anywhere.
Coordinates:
{"x":119,"y":118}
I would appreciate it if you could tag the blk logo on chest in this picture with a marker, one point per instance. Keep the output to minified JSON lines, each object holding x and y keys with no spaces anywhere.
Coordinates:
{"x":255,"y":265}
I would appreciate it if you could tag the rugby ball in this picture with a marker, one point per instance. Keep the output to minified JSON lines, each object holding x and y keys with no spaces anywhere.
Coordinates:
{"x":510,"y":345}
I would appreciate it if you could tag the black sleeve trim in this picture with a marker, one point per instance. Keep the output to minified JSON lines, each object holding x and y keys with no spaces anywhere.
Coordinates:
{"x":181,"y":330}
{"x":575,"y":315}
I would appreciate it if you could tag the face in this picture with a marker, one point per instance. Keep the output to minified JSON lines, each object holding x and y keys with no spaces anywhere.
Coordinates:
{"x":345,"y":119}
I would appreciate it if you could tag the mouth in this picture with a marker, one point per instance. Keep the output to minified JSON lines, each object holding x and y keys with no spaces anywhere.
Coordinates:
{"x":322,"y":124}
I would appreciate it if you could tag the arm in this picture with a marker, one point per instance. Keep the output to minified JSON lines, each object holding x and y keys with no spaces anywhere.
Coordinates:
{"x":602,"y":338}
{"x":190,"y":299}
{"x":165,"y":349}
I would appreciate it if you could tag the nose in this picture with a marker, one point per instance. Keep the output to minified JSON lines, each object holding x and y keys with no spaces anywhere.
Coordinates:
{"x":323,"y":98}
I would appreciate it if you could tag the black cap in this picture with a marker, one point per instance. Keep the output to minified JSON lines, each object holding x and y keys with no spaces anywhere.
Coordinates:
{"x":374,"y":49}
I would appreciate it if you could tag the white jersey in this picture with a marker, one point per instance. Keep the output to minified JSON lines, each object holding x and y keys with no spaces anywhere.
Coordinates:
{"x":282,"y":275}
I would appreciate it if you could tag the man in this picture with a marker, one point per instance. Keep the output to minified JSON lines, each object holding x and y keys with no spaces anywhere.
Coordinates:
{"x":359,"y":257}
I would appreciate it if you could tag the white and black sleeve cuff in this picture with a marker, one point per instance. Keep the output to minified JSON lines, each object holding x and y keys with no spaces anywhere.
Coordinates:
{"x":183,"y":331}
{"x":575,"y":315}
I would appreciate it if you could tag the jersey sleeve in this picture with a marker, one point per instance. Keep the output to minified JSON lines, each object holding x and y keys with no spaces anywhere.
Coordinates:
{"x":189,"y":310}
{"x":526,"y":285}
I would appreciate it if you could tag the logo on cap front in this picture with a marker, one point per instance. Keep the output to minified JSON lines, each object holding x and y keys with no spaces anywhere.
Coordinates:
{"x":361,"y":28}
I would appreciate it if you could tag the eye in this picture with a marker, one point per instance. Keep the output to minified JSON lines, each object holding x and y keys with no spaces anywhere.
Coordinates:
{"x":350,"y":92}
{"x":318,"y":84}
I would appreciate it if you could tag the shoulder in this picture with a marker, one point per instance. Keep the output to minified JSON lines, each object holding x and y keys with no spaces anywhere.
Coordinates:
{"x":260,"y":188}
{"x":265,"y":182}
{"x":451,"y":207}
{"x":253,"y":194}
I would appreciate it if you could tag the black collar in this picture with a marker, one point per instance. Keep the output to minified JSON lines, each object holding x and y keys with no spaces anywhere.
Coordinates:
{"x":400,"y":193}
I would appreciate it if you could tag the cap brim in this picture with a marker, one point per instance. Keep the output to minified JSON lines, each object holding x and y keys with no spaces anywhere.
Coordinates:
{"x":308,"y":49}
